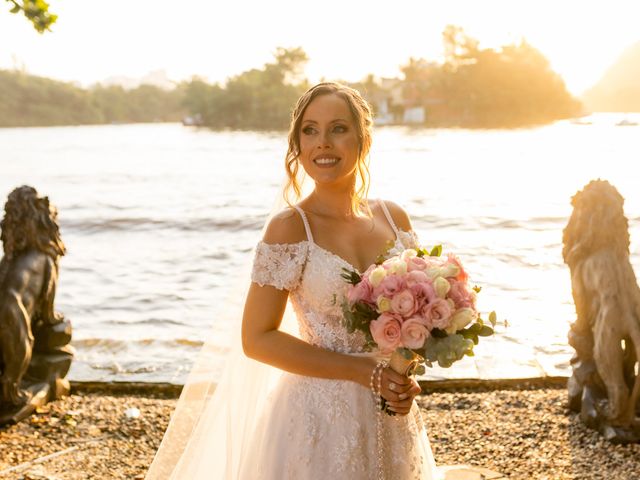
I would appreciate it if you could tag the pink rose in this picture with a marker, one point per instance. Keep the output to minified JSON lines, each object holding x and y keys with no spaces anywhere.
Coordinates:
{"x":416,"y":263}
{"x":461,"y":295}
{"x":437,"y":313}
{"x":423,"y":293}
{"x":416,"y":276}
{"x":361,"y":292}
{"x":391,"y":285}
{"x":414,"y":333}
{"x":386,"y":331}
{"x":462,"y":275}
{"x":404,"y":303}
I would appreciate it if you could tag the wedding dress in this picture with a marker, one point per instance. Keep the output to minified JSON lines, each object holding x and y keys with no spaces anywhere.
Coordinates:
{"x":321,"y":428}
{"x":261,"y":423}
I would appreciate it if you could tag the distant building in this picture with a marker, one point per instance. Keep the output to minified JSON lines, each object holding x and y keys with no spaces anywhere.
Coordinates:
{"x":391,"y":106}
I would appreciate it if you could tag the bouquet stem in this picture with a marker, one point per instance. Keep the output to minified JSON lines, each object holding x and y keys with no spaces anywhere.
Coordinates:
{"x":402,"y":361}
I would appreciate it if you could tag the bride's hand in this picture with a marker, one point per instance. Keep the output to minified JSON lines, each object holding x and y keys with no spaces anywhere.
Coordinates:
{"x":399,"y":391}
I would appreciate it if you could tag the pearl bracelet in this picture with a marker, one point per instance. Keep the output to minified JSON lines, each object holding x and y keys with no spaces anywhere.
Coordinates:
{"x":380,"y":366}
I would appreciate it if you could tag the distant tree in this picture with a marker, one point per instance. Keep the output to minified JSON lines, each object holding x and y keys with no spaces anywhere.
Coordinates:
{"x":420,"y":79}
{"x":510,"y":86}
{"x":28,"y":100}
{"x":36,"y":11}
{"x":255,"y":99}
{"x":459,"y":47}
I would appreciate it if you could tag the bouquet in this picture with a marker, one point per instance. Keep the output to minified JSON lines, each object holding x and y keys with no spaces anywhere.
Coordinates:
{"x":418,"y":307}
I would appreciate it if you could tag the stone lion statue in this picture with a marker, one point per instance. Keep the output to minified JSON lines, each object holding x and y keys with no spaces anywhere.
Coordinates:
{"x":604,"y":386}
{"x":28,"y":279}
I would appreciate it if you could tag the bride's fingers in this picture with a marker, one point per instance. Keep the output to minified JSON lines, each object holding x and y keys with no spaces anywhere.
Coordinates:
{"x":399,"y":410}
{"x":390,"y":376}
{"x":401,"y":404}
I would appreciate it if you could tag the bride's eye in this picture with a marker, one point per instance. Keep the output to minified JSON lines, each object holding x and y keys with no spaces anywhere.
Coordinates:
{"x":340,"y":129}
{"x":308,"y":130}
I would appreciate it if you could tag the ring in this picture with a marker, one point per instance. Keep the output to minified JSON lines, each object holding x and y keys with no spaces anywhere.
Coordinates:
{"x":402,"y":396}
{"x":392,"y":386}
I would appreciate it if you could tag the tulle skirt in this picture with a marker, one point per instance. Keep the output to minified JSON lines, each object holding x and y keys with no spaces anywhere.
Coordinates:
{"x":316,"y":428}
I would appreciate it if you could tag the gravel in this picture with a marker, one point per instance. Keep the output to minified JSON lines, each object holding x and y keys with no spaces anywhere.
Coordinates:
{"x":523,"y":433}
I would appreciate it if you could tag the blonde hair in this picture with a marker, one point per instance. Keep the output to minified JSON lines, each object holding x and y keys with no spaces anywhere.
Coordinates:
{"x":363,"y":119}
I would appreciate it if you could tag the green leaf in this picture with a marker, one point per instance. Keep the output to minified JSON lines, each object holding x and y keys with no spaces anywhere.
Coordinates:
{"x":493,"y":318}
{"x":420,"y":370}
{"x":406,"y":353}
{"x":486,"y":331}
{"x":475,"y":328}
{"x":351,"y":276}
{"x":436,"y":251}
{"x":437,"y":333}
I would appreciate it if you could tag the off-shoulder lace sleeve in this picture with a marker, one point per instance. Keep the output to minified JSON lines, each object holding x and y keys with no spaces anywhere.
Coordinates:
{"x":279,"y":265}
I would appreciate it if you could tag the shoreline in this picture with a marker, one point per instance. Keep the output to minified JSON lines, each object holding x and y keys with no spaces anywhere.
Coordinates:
{"x":524,"y":431}
{"x":172,"y":390}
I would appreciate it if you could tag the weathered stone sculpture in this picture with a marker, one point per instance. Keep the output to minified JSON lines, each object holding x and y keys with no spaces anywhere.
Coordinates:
{"x":604,"y":386}
{"x":35,"y":354}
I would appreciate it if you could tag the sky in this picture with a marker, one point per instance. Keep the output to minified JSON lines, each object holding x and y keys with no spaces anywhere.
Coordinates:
{"x":94,"y":40}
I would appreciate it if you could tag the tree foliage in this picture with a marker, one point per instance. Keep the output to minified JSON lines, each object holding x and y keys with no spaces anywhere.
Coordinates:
{"x":36,"y":11}
{"x":255,"y":99}
{"x":510,"y":86}
{"x":28,"y":100}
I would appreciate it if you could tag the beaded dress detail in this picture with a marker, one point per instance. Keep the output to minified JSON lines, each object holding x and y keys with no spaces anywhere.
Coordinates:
{"x":321,"y":428}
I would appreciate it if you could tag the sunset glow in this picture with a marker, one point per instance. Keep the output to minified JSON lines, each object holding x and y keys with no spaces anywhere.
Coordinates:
{"x":93,"y":41}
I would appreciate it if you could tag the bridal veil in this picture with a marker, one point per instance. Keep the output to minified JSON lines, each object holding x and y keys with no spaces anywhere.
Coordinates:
{"x":215,"y":420}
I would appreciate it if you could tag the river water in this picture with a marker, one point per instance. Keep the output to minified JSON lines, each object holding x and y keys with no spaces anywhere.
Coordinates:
{"x":159,"y":218}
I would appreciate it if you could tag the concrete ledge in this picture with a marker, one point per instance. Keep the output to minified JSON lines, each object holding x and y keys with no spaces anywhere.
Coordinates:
{"x":467,"y":472}
{"x":153,"y":390}
{"x":171,"y":390}
{"x":484,"y":385}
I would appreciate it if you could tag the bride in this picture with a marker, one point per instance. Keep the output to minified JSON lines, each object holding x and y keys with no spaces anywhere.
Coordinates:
{"x":318,"y":416}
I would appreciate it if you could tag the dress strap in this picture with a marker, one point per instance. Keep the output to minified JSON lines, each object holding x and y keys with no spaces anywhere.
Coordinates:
{"x":389,"y":219}
{"x":306,"y":223}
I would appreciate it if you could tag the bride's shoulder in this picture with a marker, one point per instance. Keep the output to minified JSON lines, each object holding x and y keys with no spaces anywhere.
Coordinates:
{"x":399,"y":215}
{"x":285,"y":227}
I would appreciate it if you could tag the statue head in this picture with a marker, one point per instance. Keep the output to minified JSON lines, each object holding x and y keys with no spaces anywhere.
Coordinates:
{"x":597,"y":222}
{"x":30,"y":222}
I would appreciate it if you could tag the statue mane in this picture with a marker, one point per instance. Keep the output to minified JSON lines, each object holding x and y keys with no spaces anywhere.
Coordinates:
{"x":29,"y":223}
{"x":597,"y":222}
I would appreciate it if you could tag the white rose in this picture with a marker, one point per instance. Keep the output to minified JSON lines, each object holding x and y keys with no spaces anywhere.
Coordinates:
{"x":376,"y":276}
{"x":451,"y":270}
{"x":433,"y":272}
{"x":408,"y":253}
{"x":441,"y":287}
{"x":461,"y":319}
{"x":399,"y":267}
{"x":384,"y":304}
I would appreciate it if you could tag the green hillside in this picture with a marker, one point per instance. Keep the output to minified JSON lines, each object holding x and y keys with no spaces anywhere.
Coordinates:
{"x":27,"y":100}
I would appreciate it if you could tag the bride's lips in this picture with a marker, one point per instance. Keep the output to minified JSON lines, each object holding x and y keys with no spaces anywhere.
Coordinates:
{"x":326,"y":161}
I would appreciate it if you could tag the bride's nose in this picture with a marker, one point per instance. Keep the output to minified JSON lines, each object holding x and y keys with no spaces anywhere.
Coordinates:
{"x":325,"y":141}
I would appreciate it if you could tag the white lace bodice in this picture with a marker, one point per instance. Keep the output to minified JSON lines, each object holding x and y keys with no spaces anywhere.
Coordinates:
{"x":312,"y":276}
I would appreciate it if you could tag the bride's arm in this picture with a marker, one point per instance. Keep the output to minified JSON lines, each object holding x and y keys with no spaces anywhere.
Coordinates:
{"x":263,"y":341}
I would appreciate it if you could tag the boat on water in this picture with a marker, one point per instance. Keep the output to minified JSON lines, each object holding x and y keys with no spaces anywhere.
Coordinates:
{"x":625,"y":122}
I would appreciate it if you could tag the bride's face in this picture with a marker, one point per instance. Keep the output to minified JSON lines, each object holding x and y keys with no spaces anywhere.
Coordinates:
{"x":329,"y":145}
